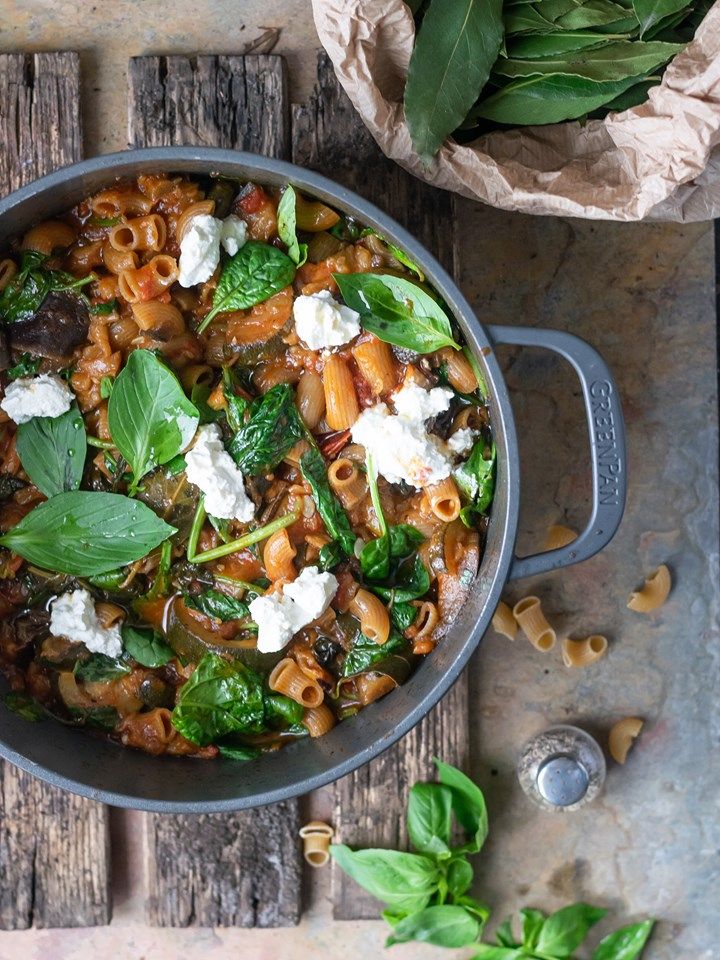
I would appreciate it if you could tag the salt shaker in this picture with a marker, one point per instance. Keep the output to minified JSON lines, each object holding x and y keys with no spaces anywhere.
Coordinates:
{"x":562,"y":768}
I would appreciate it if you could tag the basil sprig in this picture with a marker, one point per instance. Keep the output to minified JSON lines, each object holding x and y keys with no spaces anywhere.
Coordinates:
{"x":287,"y":227}
{"x":426,"y":892}
{"x":397,"y":311}
{"x":85,"y":533}
{"x":255,"y":273}
{"x":52,"y":451}
{"x":150,"y":418}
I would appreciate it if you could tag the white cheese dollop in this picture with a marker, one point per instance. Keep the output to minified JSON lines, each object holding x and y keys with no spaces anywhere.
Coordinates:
{"x":200,"y":246}
{"x":211,"y":468}
{"x":42,"y":396}
{"x":462,"y":441}
{"x":321,"y":322}
{"x":400,"y":445}
{"x":73,"y":616}
{"x":279,"y":616}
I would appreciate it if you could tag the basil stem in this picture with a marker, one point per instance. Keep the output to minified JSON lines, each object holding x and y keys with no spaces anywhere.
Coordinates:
{"x":197,"y":525}
{"x":375,"y":493}
{"x":243,"y":584}
{"x":101,"y":444}
{"x":254,"y":536}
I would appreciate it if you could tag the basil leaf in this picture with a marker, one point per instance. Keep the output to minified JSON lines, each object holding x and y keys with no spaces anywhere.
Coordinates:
{"x":552,"y":99}
{"x":533,"y":921}
{"x":401,"y":880}
{"x":52,"y":451}
{"x":614,"y":61}
{"x":255,"y":273}
{"x":217,"y":605}
{"x":397,"y":311}
{"x":150,"y":418}
{"x":331,"y":555}
{"x":273,"y":428}
{"x":365,"y":653}
{"x":626,"y":943}
{"x":455,"y":48}
{"x":468,"y":804}
{"x":475,"y":477}
{"x":23,"y":296}
{"x":110,"y":581}
{"x":443,"y":925}
{"x":26,"y":366}
{"x":329,"y":507}
{"x":486,"y":952}
{"x":146,"y":646}
{"x":220,"y":697}
{"x":25,"y":707}
{"x":504,"y":934}
{"x":240,"y":754}
{"x":287,"y":230}
{"x":564,"y":931}
{"x":459,"y":876}
{"x":86,"y":533}
{"x":429,"y":816}
{"x":98,"y":668}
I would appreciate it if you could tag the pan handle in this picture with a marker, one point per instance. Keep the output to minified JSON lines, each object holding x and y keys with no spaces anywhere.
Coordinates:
{"x":607,"y":446}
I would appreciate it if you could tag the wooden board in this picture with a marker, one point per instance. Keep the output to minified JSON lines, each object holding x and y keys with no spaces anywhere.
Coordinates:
{"x":54,"y":855}
{"x":239,"y":869}
{"x":370,"y":803}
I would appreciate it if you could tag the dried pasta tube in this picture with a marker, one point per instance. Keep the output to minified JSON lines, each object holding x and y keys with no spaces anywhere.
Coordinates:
{"x":316,"y":837}
{"x":318,"y":720}
{"x":654,"y":594}
{"x":581,"y":653}
{"x":286,"y":677}
{"x":559,"y":536}
{"x":504,"y":622}
{"x":341,"y":402}
{"x":622,"y":736}
{"x":528,"y":613}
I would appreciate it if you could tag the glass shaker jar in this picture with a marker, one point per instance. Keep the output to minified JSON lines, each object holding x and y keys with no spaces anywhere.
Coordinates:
{"x":562,"y":768}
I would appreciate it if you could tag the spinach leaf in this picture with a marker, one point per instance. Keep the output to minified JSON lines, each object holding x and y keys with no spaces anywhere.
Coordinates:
{"x":26,"y":366}
{"x":281,"y":708}
{"x":455,"y":48}
{"x":331,"y":555}
{"x":397,"y":311}
{"x":475,"y":479}
{"x":445,"y":925}
{"x":86,"y":533}
{"x":626,"y":943}
{"x":468,"y":805}
{"x":273,"y":428}
{"x":255,"y":273}
{"x":329,"y":507}
{"x":101,"y":718}
{"x":410,"y":583}
{"x":52,"y":451}
{"x":564,"y":931}
{"x":429,"y":817}
{"x":239,"y":753}
{"x":404,"y":881}
{"x":146,"y":646}
{"x":403,"y":615}
{"x":176,"y":465}
{"x":23,"y":296}
{"x":104,"y":309}
{"x":221,"y":697}
{"x":198,"y":397}
{"x":98,"y":667}
{"x":548,"y":99}
{"x":217,"y":605}
{"x":364,"y":653}
{"x":24,"y":706}
{"x":614,"y":61}
{"x":287,"y":230}
{"x":150,"y":418}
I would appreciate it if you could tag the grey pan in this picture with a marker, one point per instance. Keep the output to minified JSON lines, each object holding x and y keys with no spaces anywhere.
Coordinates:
{"x":67,"y":758}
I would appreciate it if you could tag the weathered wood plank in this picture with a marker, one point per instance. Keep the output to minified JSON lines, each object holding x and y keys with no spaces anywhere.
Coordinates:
{"x":370,"y":803}
{"x":54,"y":847}
{"x":219,"y":101}
{"x":239,"y":869}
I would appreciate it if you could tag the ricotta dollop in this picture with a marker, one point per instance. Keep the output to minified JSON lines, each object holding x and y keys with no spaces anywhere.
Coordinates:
{"x":211,"y":468}
{"x":321,"y":322}
{"x":200,"y":246}
{"x":401,"y":447}
{"x":280,"y":615}
{"x":73,"y":616}
{"x":42,"y":396}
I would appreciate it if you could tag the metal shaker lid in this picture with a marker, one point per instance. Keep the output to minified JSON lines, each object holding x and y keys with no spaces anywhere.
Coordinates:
{"x":562,"y":781}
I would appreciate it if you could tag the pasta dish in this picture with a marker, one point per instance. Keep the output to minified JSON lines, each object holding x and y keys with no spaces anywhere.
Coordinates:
{"x":246,"y":467}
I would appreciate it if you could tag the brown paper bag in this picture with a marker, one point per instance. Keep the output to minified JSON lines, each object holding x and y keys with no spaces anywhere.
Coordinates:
{"x":658,"y":161}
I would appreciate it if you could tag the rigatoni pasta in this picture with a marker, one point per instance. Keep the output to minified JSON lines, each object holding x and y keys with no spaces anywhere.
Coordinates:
{"x":581,"y":653}
{"x":654,"y":593}
{"x":622,"y":736}
{"x":528,"y":613}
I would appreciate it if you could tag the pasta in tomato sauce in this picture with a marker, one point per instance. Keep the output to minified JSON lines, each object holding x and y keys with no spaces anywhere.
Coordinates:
{"x":246,"y":467}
